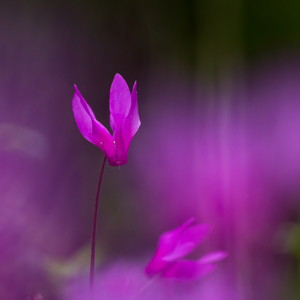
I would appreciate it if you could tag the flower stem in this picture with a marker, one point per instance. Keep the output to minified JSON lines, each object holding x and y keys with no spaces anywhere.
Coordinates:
{"x":144,"y":287}
{"x":93,"y":244}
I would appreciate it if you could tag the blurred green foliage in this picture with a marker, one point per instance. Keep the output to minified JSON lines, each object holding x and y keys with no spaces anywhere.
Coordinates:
{"x":292,"y":240}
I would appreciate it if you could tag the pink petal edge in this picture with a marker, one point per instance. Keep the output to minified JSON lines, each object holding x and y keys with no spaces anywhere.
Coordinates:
{"x":83,"y":115}
{"x":132,"y":122}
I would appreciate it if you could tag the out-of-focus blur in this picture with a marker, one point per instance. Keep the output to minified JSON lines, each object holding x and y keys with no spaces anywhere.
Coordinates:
{"x":219,"y":102}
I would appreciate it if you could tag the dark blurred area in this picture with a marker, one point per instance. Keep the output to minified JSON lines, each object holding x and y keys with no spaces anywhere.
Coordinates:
{"x":219,"y":96}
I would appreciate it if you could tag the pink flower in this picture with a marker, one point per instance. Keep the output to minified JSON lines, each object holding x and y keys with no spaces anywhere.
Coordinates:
{"x":176,"y":244}
{"x":124,"y":121}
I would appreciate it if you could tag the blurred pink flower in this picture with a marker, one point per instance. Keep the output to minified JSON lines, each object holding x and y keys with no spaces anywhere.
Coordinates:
{"x":124,"y":121}
{"x":123,"y":280}
{"x":176,"y":244}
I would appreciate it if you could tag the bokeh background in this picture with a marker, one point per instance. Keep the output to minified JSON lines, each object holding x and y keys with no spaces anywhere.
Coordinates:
{"x":219,"y":101}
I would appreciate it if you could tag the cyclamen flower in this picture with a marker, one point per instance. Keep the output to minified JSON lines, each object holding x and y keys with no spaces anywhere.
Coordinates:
{"x":124,"y":121}
{"x":176,"y":244}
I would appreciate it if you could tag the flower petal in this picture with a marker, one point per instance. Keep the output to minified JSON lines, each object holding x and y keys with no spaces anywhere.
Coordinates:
{"x":120,"y":99}
{"x":132,"y":122}
{"x":103,"y":139}
{"x":83,"y":115}
{"x":194,"y":234}
{"x":187,"y":270}
{"x":167,"y":243}
{"x":188,"y":240}
{"x":121,"y":152}
{"x":113,"y":124}
{"x":179,"y":252}
{"x":168,"y":240}
{"x":155,"y":266}
{"x":212,"y":257}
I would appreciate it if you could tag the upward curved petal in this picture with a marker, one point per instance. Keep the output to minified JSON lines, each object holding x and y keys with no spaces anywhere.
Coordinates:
{"x":188,"y":240}
{"x":168,"y":241}
{"x":194,"y":234}
{"x":83,"y":115}
{"x":166,"y":245}
{"x":120,"y":99}
{"x":179,"y":252}
{"x":132,"y":122}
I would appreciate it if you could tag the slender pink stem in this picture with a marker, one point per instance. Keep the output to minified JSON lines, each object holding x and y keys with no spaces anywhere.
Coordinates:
{"x":93,"y":245}
{"x":144,"y":287}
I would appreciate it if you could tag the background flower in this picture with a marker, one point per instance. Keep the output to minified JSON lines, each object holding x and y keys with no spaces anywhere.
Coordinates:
{"x":168,"y":260}
{"x":123,"y":280}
